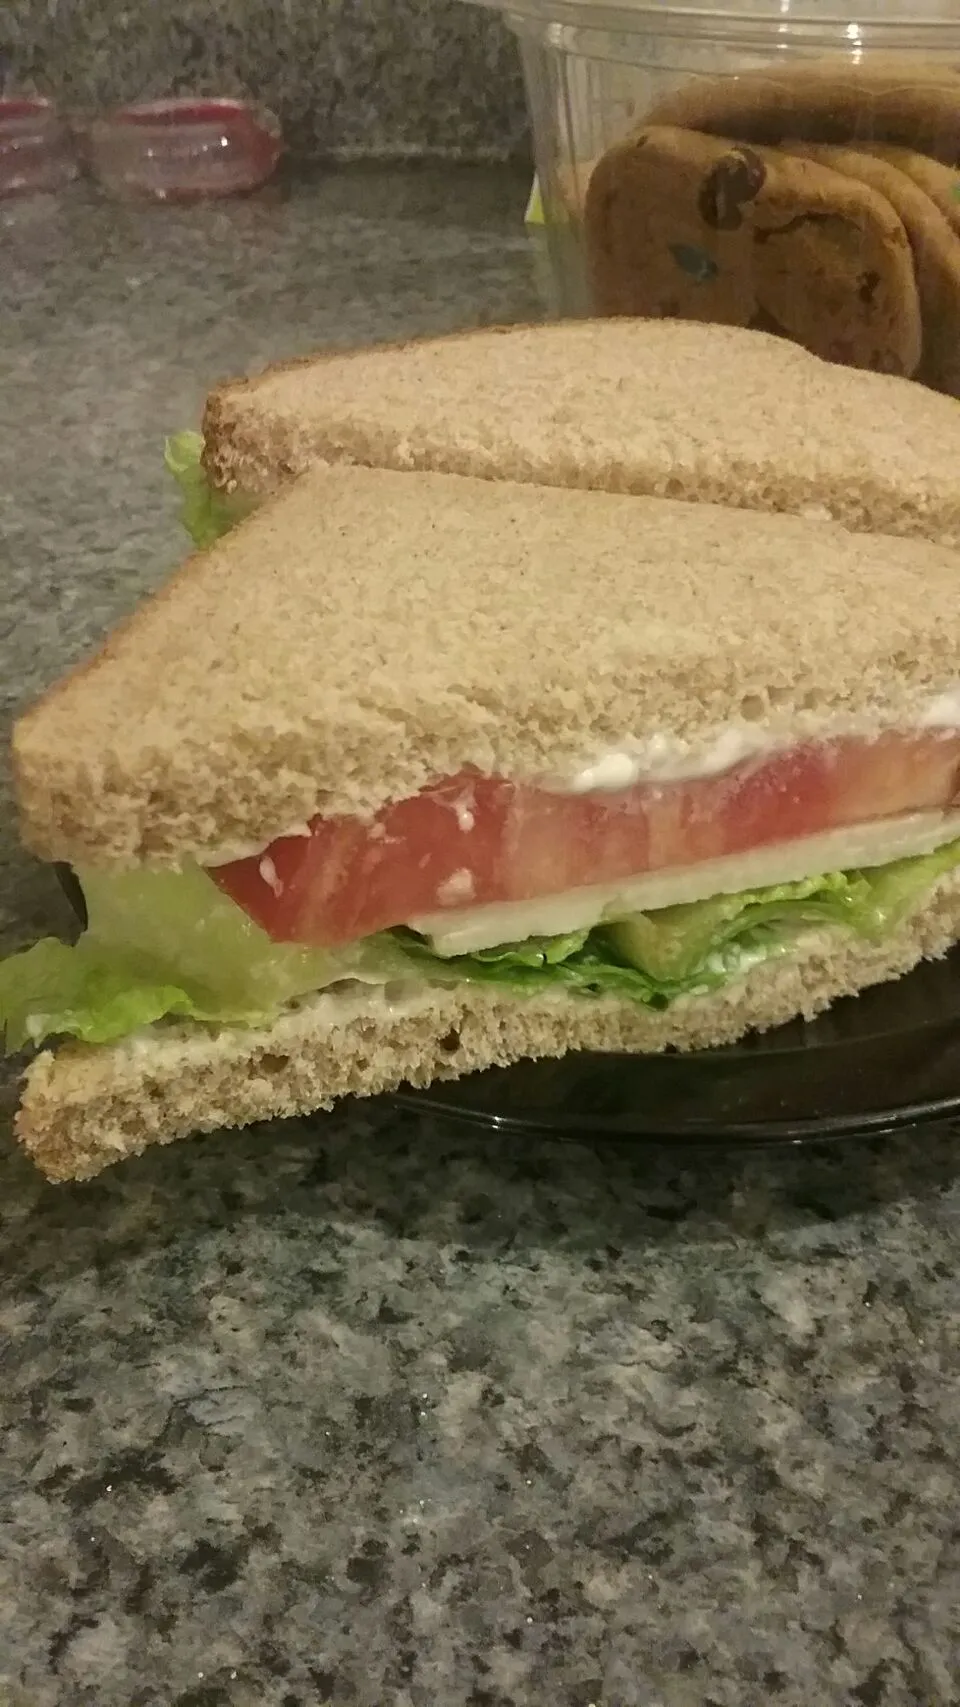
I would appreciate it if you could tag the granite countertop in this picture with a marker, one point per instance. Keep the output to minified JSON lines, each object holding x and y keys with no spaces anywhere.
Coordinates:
{"x":373,"y":1410}
{"x":349,"y":79}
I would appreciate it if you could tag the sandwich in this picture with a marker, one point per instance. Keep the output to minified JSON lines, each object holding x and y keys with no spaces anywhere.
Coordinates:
{"x":413,"y":775}
{"x":662,"y":408}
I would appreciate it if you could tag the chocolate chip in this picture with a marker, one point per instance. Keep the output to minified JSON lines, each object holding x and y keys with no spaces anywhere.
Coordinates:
{"x":867,"y":288}
{"x":695,"y":262}
{"x":736,"y":178}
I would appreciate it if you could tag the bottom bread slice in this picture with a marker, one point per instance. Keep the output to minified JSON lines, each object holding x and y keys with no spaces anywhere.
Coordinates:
{"x":84,"y":1108}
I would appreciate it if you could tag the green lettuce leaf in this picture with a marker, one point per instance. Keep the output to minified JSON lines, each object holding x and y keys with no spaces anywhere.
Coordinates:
{"x":168,"y":945}
{"x":92,"y":994}
{"x":206,"y":514}
{"x":659,"y":955}
{"x":581,"y":961}
{"x":674,"y":943}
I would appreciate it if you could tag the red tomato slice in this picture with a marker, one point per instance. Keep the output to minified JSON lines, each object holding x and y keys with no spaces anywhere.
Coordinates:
{"x":471,"y":840}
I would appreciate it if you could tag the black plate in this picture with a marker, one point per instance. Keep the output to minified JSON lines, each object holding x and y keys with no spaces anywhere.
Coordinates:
{"x":886,"y":1059}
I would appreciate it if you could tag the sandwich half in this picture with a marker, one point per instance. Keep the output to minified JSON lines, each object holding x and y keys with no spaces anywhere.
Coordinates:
{"x":664,"y":408}
{"x":414,"y":775}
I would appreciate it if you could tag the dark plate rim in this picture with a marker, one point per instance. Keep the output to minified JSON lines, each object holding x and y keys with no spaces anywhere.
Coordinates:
{"x":693,"y":1134}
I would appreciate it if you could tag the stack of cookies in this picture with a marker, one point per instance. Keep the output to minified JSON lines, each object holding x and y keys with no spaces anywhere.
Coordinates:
{"x":821,"y":202}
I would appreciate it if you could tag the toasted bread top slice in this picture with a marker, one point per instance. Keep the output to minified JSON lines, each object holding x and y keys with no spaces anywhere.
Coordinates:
{"x":368,"y":632}
{"x":714,"y":414}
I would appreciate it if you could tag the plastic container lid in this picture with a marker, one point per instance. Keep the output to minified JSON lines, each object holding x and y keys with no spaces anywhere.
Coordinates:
{"x":871,"y":25}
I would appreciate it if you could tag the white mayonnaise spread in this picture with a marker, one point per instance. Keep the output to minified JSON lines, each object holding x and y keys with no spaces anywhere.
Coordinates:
{"x":339,"y":1006}
{"x":457,"y":891}
{"x":268,"y":872}
{"x":665,"y":758}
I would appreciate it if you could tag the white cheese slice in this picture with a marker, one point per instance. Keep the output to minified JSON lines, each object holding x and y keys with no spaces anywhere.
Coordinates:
{"x":464,"y":930}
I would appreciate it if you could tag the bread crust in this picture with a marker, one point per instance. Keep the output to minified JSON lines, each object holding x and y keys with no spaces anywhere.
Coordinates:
{"x":606,"y":405}
{"x":85,"y":1108}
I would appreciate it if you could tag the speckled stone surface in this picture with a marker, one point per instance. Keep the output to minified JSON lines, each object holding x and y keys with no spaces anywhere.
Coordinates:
{"x":374,"y":1411}
{"x":346,"y":77}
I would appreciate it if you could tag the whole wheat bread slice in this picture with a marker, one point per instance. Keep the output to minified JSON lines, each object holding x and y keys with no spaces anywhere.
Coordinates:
{"x":714,"y":414}
{"x":85,"y":1108}
{"x":366,"y":633}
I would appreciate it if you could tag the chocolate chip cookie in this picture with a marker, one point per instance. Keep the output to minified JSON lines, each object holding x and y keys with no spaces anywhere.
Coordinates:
{"x":683,"y":224}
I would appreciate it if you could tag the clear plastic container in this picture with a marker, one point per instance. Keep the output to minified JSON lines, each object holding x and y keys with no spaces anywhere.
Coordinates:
{"x":36,"y":148}
{"x":780,"y":164}
{"x":184,"y":148}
